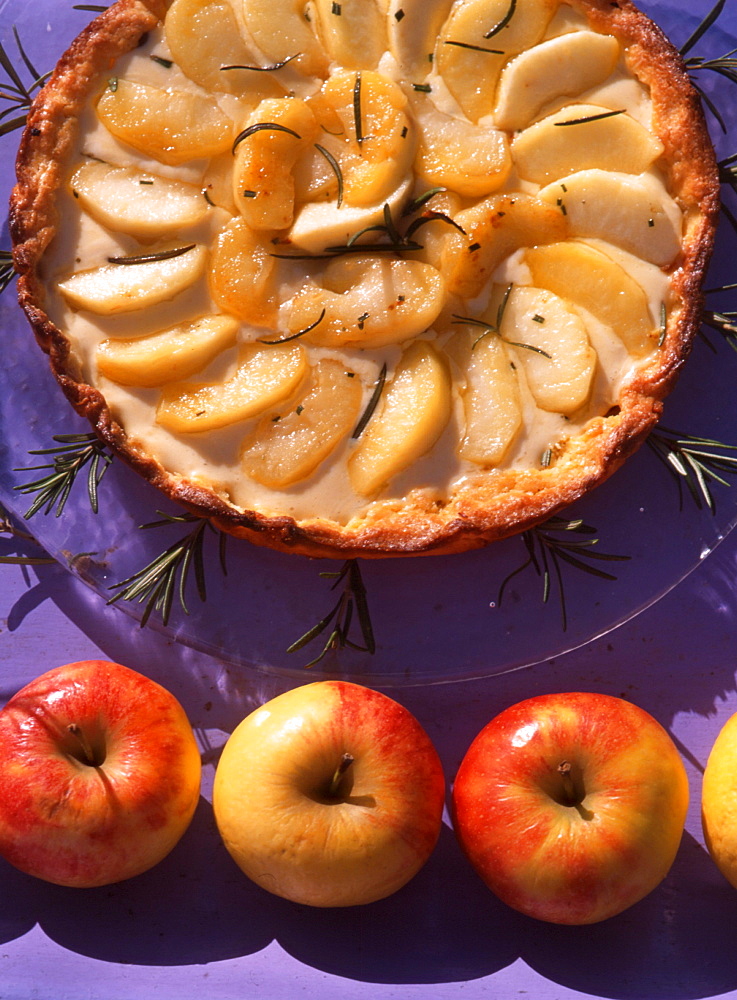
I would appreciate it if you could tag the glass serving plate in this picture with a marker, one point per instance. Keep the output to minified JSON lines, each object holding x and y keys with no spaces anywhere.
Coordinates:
{"x":435,"y":619}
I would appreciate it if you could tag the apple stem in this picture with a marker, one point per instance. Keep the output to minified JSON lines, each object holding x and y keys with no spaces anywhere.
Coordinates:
{"x":345,"y":762}
{"x":564,"y":770}
{"x":89,"y":757}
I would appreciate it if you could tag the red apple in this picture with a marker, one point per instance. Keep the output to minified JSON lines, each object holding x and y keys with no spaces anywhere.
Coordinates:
{"x":571,"y":806}
{"x":330,"y":794}
{"x":99,"y":774}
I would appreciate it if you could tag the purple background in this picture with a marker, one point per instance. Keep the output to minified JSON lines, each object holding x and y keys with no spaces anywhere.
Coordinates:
{"x":195,"y":927}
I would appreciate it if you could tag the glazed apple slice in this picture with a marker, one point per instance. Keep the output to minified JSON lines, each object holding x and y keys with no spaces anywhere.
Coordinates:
{"x":168,"y":355}
{"x":135,"y":282}
{"x":491,"y":397}
{"x":586,"y":277}
{"x":453,"y":153}
{"x":283,"y":29}
{"x":478,"y":39}
{"x":275,"y":135}
{"x":415,"y":409}
{"x":264,"y":376}
{"x":635,"y":213}
{"x":352,"y":32}
{"x":203,"y":37}
{"x":287,"y":447}
{"x":368,"y":302}
{"x":377,"y":148}
{"x":564,"y":66}
{"x":581,"y":137}
{"x":171,"y":126}
{"x":241,"y":274}
{"x":491,"y":231}
{"x":126,"y":200}
{"x":552,"y":346}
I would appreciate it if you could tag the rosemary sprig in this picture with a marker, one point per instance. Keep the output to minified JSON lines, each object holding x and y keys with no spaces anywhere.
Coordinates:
{"x":695,"y":461}
{"x":75,"y":452}
{"x":8,"y":527}
{"x":589,"y":118}
{"x":7,"y":269}
{"x":273,"y":68}
{"x":553,"y":543}
{"x":149,"y":258}
{"x":703,"y":27}
{"x":261,"y":127}
{"x":372,"y":403}
{"x":335,"y":166}
{"x":475,"y":48}
{"x":166,"y":576}
{"x":295,"y":336}
{"x":724,"y":323}
{"x":728,"y":171}
{"x":357,"y":112}
{"x":504,"y":21}
{"x":18,"y":94}
{"x":490,"y":328}
{"x":725,"y":65}
{"x":352,"y":600}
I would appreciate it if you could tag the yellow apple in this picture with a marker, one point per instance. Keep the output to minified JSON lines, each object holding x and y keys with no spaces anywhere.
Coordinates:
{"x":719,"y":801}
{"x":571,"y":806}
{"x":99,"y":774}
{"x":330,"y":795}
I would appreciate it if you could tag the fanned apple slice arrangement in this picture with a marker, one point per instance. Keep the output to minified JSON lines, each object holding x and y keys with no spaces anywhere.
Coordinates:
{"x":406,"y":255}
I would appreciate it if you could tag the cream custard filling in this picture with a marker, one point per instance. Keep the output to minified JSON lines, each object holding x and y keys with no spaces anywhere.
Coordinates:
{"x":213,"y":457}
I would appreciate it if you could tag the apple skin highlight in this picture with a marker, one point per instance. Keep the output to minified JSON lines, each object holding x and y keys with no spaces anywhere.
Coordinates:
{"x":295,"y":837}
{"x":571,"y":806}
{"x":109,"y":797}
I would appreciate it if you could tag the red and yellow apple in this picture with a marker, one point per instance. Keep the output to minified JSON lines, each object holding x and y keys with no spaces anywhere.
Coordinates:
{"x":330,"y":794}
{"x":99,"y":774}
{"x":571,"y":807}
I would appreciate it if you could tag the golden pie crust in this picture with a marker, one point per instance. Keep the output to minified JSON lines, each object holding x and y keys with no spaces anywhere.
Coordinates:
{"x":481,"y":507}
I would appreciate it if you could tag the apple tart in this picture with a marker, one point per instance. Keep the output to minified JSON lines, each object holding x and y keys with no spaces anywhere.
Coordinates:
{"x":369,"y":277}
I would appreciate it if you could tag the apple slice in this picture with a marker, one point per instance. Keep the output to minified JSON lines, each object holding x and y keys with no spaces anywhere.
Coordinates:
{"x":478,"y":39}
{"x":171,"y":126}
{"x":203,"y":37}
{"x":242,"y":274}
{"x":321,"y":224}
{"x":413,"y":27}
{"x":352,"y":32}
{"x":552,"y":346}
{"x":125,"y":287}
{"x":586,"y":277}
{"x":126,"y":200}
{"x":563,"y":66}
{"x":368,"y":302}
{"x":287,"y":448}
{"x":264,"y":376}
{"x":491,"y":396}
{"x":493,"y":230}
{"x":282,"y":29}
{"x":168,"y":355}
{"x":275,"y":135}
{"x":416,"y":408}
{"x":453,"y":153}
{"x":581,"y":137}
{"x":634,"y":213}
{"x":370,"y":113}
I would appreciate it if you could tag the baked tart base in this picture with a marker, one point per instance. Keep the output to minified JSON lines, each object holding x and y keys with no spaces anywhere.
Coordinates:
{"x":454,"y":492}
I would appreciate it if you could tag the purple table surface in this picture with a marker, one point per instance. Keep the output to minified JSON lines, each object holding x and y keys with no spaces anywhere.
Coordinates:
{"x":195,"y":927}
